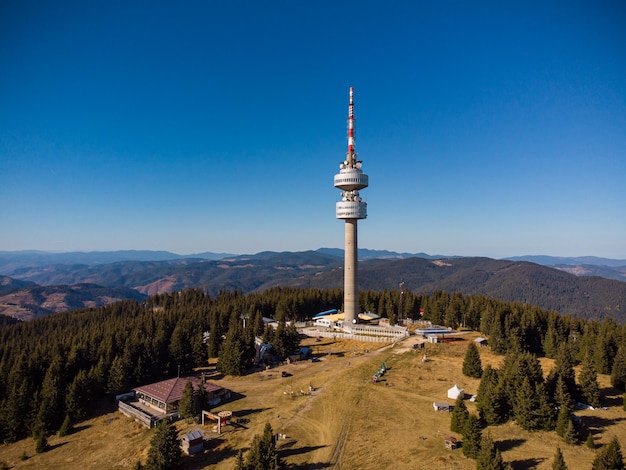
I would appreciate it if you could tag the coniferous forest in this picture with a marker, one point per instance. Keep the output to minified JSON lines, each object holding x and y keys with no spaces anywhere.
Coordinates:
{"x":56,"y":370}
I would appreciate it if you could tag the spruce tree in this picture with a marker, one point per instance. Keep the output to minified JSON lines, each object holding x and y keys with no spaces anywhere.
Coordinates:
{"x":490,"y":400}
{"x":532,"y":410}
{"x":559,"y":462}
{"x":588,"y":380}
{"x":609,"y":457}
{"x":490,"y":458}
{"x":570,"y":435}
{"x":472,"y":365}
{"x":472,"y":436}
{"x":459,"y":415}
{"x":186,"y":408}
{"x":618,"y":372}
{"x":66,"y":427}
{"x":164,"y":452}
{"x":41,"y":441}
{"x":590,"y":442}
{"x":231,"y":361}
{"x":263,"y":454}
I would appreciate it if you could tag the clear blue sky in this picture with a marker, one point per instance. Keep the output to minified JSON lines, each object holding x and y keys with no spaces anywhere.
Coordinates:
{"x":486,"y":128}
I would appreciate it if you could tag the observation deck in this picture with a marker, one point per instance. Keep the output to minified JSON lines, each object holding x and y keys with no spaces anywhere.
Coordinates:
{"x":350,"y":179}
{"x":351,"y":210}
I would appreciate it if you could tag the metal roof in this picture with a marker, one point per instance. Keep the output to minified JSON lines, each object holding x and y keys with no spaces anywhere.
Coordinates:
{"x":171,"y":390}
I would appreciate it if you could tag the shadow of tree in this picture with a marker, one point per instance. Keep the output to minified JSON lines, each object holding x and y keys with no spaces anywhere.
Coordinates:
{"x":242,"y":413}
{"x":210,"y":456}
{"x":309,"y":466}
{"x":508,"y":444}
{"x":286,"y":452}
{"x":55,"y":446}
{"x":611,"y":396}
{"x":597,"y":424}
{"x":526,"y":464}
{"x":76,"y":429}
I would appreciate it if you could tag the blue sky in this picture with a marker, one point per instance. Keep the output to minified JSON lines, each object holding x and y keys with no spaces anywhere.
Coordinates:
{"x":486,"y":128}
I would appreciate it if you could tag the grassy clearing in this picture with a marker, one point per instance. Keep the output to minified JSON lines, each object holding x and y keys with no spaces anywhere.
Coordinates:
{"x":347,"y":422}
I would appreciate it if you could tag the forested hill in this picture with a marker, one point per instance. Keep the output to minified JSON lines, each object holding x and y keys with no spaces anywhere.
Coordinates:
{"x":586,"y":297}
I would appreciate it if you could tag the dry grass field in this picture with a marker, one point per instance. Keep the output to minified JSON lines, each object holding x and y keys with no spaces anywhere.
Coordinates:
{"x":347,"y":422}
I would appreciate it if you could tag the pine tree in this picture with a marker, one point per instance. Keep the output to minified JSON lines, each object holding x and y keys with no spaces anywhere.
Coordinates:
{"x":589,"y":387}
{"x":491,"y":402}
{"x":186,"y":408}
{"x":164,"y":452}
{"x":472,"y":435}
{"x":41,"y":441}
{"x":263,"y":454}
{"x":231,"y":361}
{"x":66,"y":427}
{"x":239,"y":461}
{"x":559,"y":462}
{"x":472,"y":365}
{"x":618,"y":372}
{"x":590,"y":442}
{"x":570,"y":435}
{"x":489,"y":458}
{"x":459,"y":415}
{"x":51,"y":398}
{"x":562,"y":419}
{"x":609,"y":457}
{"x":532,"y":409}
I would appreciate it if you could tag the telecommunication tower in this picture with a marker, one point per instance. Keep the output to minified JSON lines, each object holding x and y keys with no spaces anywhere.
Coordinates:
{"x":351,"y":208}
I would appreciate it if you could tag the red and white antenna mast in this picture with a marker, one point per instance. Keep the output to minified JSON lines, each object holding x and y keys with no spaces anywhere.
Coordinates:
{"x":351,"y":153}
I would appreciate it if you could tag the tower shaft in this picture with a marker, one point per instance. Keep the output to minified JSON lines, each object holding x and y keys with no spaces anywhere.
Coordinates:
{"x":350,"y":273}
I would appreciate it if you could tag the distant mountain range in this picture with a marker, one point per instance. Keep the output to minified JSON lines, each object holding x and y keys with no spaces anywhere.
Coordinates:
{"x":82,"y":279}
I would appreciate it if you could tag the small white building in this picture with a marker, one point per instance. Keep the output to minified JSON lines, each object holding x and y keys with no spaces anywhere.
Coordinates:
{"x":454,"y":392}
{"x":193,"y":442}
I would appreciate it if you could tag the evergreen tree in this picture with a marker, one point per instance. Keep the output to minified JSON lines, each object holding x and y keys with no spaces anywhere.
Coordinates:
{"x":489,"y":458}
{"x":472,"y":365}
{"x":231,"y":361}
{"x":590,"y":442}
{"x":239,"y":461}
{"x":263,"y":454}
{"x":618,"y":372}
{"x":570,"y":435}
{"x":532,"y":409}
{"x":51,"y":398}
{"x":609,"y":457}
{"x":78,"y":395}
{"x":119,"y":375}
{"x":186,"y":408}
{"x":41,"y":442}
{"x":562,"y":420}
{"x":562,"y":396}
{"x":559,"y":462}
{"x":589,"y":387}
{"x":459,"y":415}
{"x":164,"y":452}
{"x":66,"y":427}
{"x":491,"y":401}
{"x":472,"y":436}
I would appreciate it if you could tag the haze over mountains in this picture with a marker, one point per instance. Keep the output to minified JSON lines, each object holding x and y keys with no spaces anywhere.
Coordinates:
{"x":568,"y":285}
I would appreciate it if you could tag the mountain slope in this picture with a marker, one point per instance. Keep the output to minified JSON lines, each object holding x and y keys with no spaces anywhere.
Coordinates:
{"x":35,"y":301}
{"x":587,"y":297}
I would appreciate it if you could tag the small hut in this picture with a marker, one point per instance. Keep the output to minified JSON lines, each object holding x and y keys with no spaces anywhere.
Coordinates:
{"x":454,"y":392}
{"x":451,"y":442}
{"x":193,"y":442}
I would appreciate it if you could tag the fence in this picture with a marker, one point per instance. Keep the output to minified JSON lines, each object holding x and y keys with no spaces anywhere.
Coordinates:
{"x":359,"y":337}
{"x":131,"y":411}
